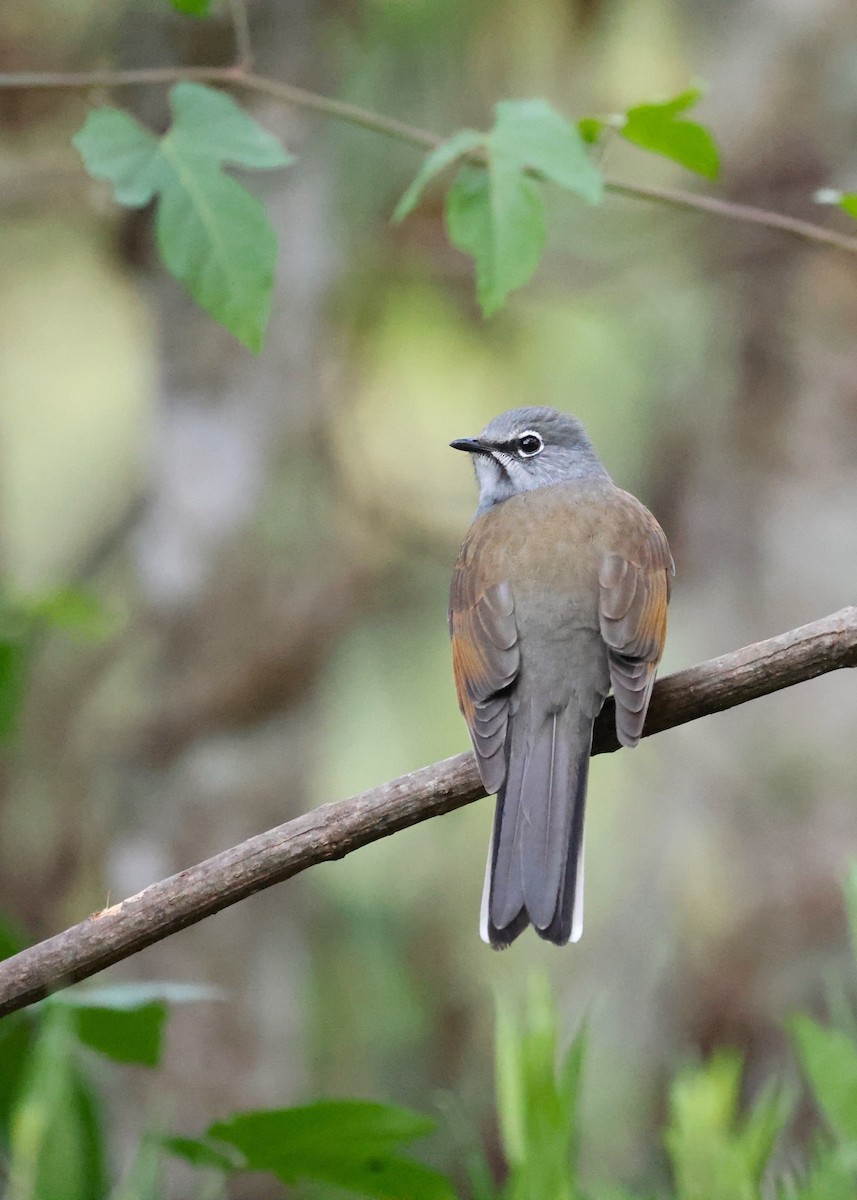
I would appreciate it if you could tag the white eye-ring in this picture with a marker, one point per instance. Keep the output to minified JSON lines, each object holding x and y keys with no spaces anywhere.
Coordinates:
{"x":529,"y":444}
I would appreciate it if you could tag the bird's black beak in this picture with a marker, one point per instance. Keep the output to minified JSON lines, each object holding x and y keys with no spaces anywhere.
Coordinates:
{"x":471,"y":445}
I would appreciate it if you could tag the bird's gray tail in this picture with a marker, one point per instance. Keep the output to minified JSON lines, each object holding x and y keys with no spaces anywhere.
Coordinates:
{"x":535,"y":862}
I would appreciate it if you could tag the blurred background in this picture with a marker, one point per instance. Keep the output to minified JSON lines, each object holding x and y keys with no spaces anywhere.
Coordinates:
{"x":271,"y":540}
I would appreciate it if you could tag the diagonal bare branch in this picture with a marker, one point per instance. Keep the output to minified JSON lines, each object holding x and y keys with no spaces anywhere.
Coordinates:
{"x":334,"y":830}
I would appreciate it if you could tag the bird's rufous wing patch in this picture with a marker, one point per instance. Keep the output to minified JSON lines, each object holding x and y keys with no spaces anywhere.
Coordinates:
{"x":485,"y":659}
{"x":634,"y":588}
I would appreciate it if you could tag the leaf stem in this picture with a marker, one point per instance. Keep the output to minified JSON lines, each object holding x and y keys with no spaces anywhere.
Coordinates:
{"x":241,"y":77}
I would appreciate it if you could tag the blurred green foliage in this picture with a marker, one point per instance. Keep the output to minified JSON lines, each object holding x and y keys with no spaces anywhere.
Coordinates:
{"x":192,"y":8}
{"x":22,"y":621}
{"x":349,"y":1144}
{"x":719,"y":1145}
{"x":715,"y":1151}
{"x":661,"y":129}
{"x":537,"y":1101}
{"x":571,"y":340}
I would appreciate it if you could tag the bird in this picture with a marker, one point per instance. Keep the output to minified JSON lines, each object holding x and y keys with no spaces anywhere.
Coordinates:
{"x":559,"y":593}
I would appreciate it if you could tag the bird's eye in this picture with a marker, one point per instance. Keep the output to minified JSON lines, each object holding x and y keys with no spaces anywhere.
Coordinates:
{"x":529,"y":443}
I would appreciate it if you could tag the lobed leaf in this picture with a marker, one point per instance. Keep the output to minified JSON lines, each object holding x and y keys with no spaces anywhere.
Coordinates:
{"x":213,"y":235}
{"x":495,"y":213}
{"x":117,"y":148}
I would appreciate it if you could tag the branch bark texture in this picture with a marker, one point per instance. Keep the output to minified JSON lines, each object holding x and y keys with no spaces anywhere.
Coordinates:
{"x":334,"y":830}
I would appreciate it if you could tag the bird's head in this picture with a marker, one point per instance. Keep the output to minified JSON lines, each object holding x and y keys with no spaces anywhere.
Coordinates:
{"x":527,"y":448}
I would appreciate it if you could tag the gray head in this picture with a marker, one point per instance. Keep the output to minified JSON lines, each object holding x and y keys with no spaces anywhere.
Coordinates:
{"x":528,"y":448}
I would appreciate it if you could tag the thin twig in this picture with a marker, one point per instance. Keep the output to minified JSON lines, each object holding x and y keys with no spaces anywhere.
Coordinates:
{"x":335,"y":830}
{"x":229,"y":76}
{"x":239,"y":76}
{"x":735,"y":212}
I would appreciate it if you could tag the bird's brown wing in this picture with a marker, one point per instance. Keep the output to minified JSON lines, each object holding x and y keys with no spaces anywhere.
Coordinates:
{"x":634,"y":593}
{"x":485,"y":658}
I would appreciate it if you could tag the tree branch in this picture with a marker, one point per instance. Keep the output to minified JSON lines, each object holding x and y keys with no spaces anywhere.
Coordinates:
{"x":239,"y":75}
{"x":334,"y":830}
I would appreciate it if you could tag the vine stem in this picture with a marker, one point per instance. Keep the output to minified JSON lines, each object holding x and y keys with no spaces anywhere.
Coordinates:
{"x":240,"y":76}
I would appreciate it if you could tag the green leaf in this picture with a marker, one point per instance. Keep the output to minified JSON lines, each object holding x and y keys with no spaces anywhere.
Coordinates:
{"x":201,"y":1153}
{"x":496,"y":214}
{"x":531,"y":135}
{"x":127,"y":1037}
{"x":347,"y":1143}
{"x":847,"y":201}
{"x":214,"y":235}
{"x":499,"y":220}
{"x":209,"y":124}
{"x":655,"y":127}
{"x":715,"y":1153}
{"x":117,"y":148}
{"x":16,"y":1047}
{"x":55,"y":1144}
{"x":668,"y":110}
{"x":537,"y":1100}
{"x":192,"y":8}
{"x":461,"y":143}
{"x":590,"y":129}
{"x":73,"y":611}
{"x":12,"y":938}
{"x":829,"y":1061}
{"x":14,"y":660}
{"x":126,"y":1022}
{"x":762,"y":1128}
{"x":571,"y":1071}
{"x":832,"y":1175}
{"x":508,"y":1077}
